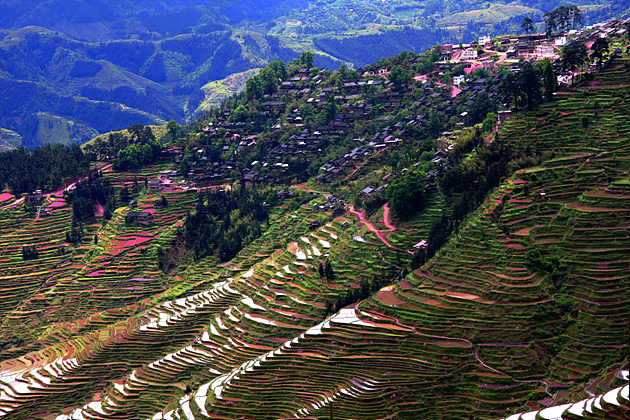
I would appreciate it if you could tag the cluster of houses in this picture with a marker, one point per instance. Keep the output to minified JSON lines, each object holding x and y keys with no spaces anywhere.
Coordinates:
{"x":368,"y":99}
{"x":534,"y":46}
{"x":309,"y":141}
{"x":165,"y":182}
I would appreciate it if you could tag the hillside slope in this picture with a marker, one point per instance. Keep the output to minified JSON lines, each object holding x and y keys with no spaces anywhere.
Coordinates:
{"x":126,"y":82}
{"x":525,"y":306}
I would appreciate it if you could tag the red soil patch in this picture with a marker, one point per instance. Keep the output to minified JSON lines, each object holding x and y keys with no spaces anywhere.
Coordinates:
{"x":387,"y":297}
{"x":404,"y":285}
{"x":504,"y":276}
{"x":467,"y":296}
{"x":587,"y":208}
{"x":6,"y":196}
{"x":60,"y":202}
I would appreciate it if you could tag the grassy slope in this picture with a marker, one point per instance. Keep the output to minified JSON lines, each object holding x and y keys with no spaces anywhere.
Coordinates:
{"x":59,"y":130}
{"x":493,"y":14}
{"x":9,"y":140}
{"x":219,"y":90}
{"x":159,"y":131}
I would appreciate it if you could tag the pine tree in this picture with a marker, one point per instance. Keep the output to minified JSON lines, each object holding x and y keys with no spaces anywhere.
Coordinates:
{"x":551,"y":83}
{"x":528,"y":25}
{"x":328,"y":271}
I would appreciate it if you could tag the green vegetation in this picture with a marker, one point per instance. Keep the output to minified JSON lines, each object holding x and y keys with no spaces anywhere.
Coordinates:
{"x":111,"y":66}
{"x":44,"y":168}
{"x":225,"y":222}
{"x":563,"y":18}
{"x":218,"y":91}
{"x":375,"y":243}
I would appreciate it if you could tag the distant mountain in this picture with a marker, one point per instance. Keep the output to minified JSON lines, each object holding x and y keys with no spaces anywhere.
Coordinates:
{"x":107,"y":20}
{"x":114,"y":84}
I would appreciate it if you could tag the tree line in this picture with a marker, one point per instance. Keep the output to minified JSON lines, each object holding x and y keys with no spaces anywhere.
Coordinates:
{"x":131,"y":151}
{"x":24,"y":171}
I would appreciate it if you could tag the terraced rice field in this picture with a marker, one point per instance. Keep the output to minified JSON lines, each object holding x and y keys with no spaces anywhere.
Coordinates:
{"x":486,"y":329}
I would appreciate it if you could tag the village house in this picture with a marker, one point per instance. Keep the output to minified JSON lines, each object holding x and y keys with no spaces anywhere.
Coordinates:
{"x":484,"y":40}
{"x":144,"y":218}
{"x":524,"y":48}
{"x":561,"y":41}
{"x":446,"y":52}
{"x":367,"y":191}
{"x":285,"y":194}
{"x":544,"y":51}
{"x":469,"y":54}
{"x":314,"y":224}
{"x":511,"y":52}
{"x":37,"y":197}
{"x":154,"y":185}
{"x":503,"y":116}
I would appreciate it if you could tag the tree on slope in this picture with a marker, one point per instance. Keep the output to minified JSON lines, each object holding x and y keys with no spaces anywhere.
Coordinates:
{"x":529,"y":84}
{"x":550,"y":80}
{"x":562,"y":18}
{"x":307,"y":59}
{"x":406,"y":195}
{"x":599,"y":49}
{"x":573,"y":57}
{"x":528,"y":25}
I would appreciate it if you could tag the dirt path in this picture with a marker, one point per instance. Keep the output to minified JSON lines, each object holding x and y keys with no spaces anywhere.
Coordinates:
{"x":99,"y":210}
{"x":370,"y":226}
{"x":386,"y":220}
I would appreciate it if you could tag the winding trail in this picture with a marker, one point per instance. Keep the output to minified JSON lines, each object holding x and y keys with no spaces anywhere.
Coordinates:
{"x":370,"y":226}
{"x":538,"y":381}
{"x":386,"y":220}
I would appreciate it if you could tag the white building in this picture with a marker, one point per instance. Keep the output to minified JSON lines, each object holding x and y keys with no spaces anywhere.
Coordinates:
{"x":483,"y":40}
{"x":458,"y":80}
{"x":544,"y":51}
{"x":469,"y":54}
{"x":561,"y":41}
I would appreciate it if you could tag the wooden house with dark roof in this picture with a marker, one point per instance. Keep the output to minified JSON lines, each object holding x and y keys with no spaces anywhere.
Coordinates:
{"x":144,"y":217}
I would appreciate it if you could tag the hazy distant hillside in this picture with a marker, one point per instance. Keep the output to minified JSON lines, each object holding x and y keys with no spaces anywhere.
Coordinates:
{"x":109,"y":85}
{"x":107,"y":19}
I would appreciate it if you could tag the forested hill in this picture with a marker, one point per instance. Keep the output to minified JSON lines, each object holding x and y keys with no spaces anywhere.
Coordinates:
{"x":107,"y":20}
